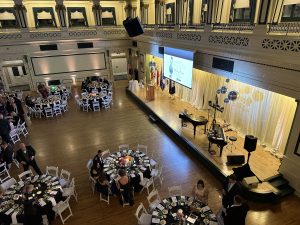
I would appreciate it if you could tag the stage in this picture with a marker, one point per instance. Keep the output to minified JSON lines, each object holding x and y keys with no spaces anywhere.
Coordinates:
{"x":166,"y":108}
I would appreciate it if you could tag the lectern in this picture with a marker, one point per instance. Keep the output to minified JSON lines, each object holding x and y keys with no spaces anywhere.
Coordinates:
{"x":150,"y":92}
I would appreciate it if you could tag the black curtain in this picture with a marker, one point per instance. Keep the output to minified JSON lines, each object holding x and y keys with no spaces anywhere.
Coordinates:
{"x":9,"y":23}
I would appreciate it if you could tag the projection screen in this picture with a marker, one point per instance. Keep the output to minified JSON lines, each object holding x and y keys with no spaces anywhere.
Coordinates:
{"x":56,"y":64}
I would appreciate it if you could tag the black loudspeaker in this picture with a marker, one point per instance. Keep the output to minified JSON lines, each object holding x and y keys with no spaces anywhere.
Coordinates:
{"x":133,"y":26}
{"x":85,"y":45}
{"x":250,"y":143}
{"x":161,"y":50}
{"x":235,"y":159}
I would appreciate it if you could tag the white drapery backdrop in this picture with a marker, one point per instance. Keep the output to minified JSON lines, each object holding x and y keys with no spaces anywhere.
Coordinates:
{"x":262,"y":113}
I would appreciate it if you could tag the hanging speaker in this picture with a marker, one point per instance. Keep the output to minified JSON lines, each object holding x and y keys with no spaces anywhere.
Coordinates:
{"x":250,"y":143}
{"x":133,"y":26}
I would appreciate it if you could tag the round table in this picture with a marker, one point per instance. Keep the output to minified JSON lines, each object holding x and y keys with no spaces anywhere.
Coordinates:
{"x":136,"y":163}
{"x":194,"y":211}
{"x":46,"y":193}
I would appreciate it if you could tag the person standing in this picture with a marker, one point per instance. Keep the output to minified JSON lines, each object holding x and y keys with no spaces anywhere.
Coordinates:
{"x":231,"y":188}
{"x":4,"y":128}
{"x":236,"y":213}
{"x":26,"y":156}
{"x":201,"y":192}
{"x":6,"y":154}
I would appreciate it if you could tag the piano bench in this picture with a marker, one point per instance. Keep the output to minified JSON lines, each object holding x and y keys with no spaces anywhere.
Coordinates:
{"x":231,"y":145}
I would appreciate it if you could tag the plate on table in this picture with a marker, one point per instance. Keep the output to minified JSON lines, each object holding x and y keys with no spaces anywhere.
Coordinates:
{"x":39,"y":192}
{"x":162,"y":222}
{"x":165,"y":211}
{"x":173,"y":204}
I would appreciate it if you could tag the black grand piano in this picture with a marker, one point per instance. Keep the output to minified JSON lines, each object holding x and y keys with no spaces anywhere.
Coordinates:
{"x":217,"y":136}
{"x":195,"y":120}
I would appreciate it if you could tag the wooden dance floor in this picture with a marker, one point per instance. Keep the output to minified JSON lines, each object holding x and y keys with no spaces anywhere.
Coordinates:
{"x":262,"y":162}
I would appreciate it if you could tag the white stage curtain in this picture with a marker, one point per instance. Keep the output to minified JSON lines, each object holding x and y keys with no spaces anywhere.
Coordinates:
{"x":262,"y":113}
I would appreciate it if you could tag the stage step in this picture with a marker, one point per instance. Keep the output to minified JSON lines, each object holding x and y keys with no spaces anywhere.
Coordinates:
{"x":282,"y":185}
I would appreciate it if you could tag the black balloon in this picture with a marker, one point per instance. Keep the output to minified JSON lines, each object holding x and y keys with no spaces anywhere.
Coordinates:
{"x":232,"y":95}
{"x":218,"y":91}
{"x":223,"y":90}
{"x":226,"y":100}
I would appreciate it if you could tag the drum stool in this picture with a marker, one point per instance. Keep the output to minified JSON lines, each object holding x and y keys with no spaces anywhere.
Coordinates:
{"x":231,"y":145}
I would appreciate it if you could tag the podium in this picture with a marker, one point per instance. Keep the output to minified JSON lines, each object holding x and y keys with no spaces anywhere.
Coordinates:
{"x":150,"y":92}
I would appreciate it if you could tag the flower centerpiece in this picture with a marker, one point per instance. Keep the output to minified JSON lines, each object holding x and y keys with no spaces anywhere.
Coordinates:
{"x":126,"y":161}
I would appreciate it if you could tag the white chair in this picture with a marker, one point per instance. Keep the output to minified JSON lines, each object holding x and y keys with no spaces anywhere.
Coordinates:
{"x":123,"y":200}
{"x":37,"y":112}
{"x":154,"y":158}
{"x":52,"y":170}
{"x":106,"y":103}
{"x":7,"y":184}
{"x":22,"y":129}
{"x":14,"y":136}
{"x":89,"y":166}
{"x":70,"y":191}
{"x":153,"y":199}
{"x":62,"y":206}
{"x":96,"y":106}
{"x":106,"y":153}
{"x":123,"y":147}
{"x":24,"y":174}
{"x":64,"y":178}
{"x":4,"y":174}
{"x":175,"y":190}
{"x":85,"y":106}
{"x":48,"y":112}
{"x":104,"y":198}
{"x":15,"y":161}
{"x":142,"y":148}
{"x":157,"y":173}
{"x":142,"y":216}
{"x":147,"y":183}
{"x":64,"y":106}
{"x":93,"y":183}
{"x":57,"y":110}
{"x":110,"y":95}
{"x":78,"y":103}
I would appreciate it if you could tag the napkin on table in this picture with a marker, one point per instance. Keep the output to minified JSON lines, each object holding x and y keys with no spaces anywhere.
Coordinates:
{"x":14,"y":218}
{"x":155,"y":220}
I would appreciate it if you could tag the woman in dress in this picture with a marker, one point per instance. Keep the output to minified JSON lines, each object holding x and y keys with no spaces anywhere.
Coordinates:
{"x":200,"y":192}
{"x":103,"y":185}
{"x":95,"y":171}
{"x":125,"y":187}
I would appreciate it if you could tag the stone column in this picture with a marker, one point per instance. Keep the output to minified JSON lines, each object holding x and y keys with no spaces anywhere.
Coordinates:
{"x":157,"y":11}
{"x":179,"y":12}
{"x":61,"y":12}
{"x":134,"y":11}
{"x":128,"y":9}
{"x":97,"y":11}
{"x":146,"y":8}
{"x":21,"y":13}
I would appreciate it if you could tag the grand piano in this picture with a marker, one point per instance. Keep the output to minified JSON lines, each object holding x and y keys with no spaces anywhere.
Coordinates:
{"x":194,"y":120}
{"x":217,"y":136}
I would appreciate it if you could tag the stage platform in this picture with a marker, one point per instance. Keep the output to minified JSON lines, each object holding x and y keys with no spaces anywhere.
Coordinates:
{"x":165,"y":109}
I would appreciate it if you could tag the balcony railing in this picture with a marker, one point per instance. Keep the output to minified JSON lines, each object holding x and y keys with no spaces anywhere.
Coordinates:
{"x":285,"y":28}
{"x":193,"y":27}
{"x":235,"y":27}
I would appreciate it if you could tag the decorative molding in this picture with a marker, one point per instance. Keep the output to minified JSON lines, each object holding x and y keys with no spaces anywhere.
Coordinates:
{"x":38,"y":35}
{"x":83,"y":33}
{"x":282,"y":45}
{"x":110,"y":32}
{"x":189,"y":36}
{"x":164,"y":34}
{"x":229,"y":40}
{"x":10,"y":36}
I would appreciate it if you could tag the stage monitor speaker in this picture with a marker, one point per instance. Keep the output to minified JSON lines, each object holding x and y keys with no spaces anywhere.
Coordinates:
{"x":161,"y":50}
{"x":235,"y":159}
{"x":250,"y":143}
{"x":133,"y":26}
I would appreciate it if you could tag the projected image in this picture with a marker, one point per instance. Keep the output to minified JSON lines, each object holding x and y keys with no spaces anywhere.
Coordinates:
{"x":178,"y":69}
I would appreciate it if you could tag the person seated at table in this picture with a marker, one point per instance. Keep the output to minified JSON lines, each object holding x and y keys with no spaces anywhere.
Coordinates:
{"x":6,"y":154}
{"x":98,"y":160}
{"x":1,"y":195}
{"x":236,"y":213}
{"x":32,"y":215}
{"x":4,"y":128}
{"x":27,"y":190}
{"x":29,"y":102}
{"x":125,"y":185}
{"x":26,"y":156}
{"x":95,"y":171}
{"x":103,"y":186}
{"x":201,"y":192}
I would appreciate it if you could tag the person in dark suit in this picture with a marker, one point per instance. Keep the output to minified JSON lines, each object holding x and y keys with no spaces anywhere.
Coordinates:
{"x":231,"y":188}
{"x":4,"y":128}
{"x":26,"y":156}
{"x":98,"y":160}
{"x":32,"y":214}
{"x":19,"y":108}
{"x":236,"y":213}
{"x":6,"y":154}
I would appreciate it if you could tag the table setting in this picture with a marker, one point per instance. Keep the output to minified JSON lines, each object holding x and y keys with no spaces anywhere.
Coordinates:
{"x":45,"y":192}
{"x":183,"y":210}
{"x":136,"y":164}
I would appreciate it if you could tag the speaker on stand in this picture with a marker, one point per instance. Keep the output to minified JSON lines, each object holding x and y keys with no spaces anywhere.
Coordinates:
{"x":250,"y":144}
